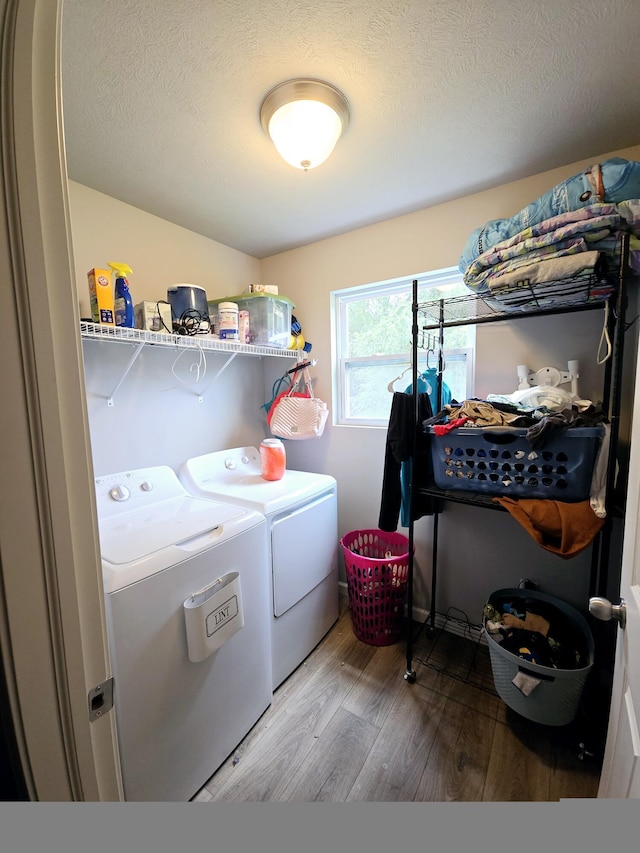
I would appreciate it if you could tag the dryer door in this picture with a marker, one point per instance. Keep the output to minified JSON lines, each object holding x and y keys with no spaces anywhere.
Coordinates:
{"x":304,"y":545}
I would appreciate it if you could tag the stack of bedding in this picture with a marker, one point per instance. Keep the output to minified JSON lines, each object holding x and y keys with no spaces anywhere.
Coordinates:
{"x":562,"y":248}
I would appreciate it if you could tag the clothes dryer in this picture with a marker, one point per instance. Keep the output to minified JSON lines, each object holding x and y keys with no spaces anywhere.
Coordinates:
{"x":186,"y":585}
{"x":302,"y":517}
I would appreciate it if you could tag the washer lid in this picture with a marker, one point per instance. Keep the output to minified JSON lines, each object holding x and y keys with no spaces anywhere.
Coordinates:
{"x":178,"y":521}
{"x":148,"y":522}
{"x":235,"y":475}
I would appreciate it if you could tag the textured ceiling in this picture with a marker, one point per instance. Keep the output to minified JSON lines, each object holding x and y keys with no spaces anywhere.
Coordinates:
{"x":161,"y":104}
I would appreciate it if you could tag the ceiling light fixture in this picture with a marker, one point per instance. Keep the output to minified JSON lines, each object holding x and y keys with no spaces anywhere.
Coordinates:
{"x":305,"y":119}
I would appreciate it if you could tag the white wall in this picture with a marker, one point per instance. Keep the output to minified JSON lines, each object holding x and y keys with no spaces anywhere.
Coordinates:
{"x":480,"y":550}
{"x":156,"y":417}
{"x":160,"y":253}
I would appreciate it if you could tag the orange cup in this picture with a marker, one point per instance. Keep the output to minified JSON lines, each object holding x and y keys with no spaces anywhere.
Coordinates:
{"x":273,"y":459}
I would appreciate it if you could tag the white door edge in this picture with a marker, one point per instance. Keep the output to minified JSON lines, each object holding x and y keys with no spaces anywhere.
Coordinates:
{"x":52,"y":628}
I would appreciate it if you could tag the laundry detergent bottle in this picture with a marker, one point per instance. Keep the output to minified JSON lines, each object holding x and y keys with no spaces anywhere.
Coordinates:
{"x":123,"y":301}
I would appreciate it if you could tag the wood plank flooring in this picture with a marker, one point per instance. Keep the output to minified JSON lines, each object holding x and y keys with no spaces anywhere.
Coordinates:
{"x":346,"y":726}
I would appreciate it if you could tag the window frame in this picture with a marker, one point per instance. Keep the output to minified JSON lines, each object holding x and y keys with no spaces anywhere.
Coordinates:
{"x":341,"y":299}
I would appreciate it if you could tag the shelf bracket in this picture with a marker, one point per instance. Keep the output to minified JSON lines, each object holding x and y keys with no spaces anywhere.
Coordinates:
{"x":136,"y":353}
{"x":224,"y":367}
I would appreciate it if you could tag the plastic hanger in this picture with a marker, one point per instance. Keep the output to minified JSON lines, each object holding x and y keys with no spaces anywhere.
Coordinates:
{"x":390,"y":387}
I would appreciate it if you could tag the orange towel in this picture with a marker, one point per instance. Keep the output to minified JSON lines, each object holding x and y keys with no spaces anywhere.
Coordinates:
{"x":512,"y":621}
{"x":562,"y":528}
{"x":534,"y":622}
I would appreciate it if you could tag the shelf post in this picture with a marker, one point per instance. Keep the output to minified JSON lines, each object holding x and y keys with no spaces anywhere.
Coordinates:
{"x":410,"y":674}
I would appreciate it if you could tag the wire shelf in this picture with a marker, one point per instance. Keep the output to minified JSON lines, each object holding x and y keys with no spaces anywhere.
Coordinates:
{"x":468,"y":309}
{"x":456,"y":649}
{"x":96,"y":331}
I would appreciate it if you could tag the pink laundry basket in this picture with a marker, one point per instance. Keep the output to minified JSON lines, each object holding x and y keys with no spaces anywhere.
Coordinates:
{"x":376,"y":565}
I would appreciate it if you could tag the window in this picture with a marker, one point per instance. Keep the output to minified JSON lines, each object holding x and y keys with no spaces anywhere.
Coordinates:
{"x":372,"y":345}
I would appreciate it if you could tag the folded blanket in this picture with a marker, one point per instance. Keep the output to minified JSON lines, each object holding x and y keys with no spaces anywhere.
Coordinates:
{"x":546,"y":270}
{"x":555,"y":237}
{"x":549,"y":283}
{"x":612,"y":181}
{"x":565,"y":529}
{"x":508,"y":276}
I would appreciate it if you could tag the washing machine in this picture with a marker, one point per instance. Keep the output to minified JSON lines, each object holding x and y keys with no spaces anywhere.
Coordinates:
{"x":302,"y":517}
{"x":186,"y":580}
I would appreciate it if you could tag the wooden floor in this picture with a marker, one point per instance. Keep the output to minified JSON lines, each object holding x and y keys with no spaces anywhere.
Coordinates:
{"x":346,"y":726}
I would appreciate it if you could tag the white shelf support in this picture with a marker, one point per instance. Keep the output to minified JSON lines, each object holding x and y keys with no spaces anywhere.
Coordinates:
{"x":215,"y":376}
{"x":136,"y":353}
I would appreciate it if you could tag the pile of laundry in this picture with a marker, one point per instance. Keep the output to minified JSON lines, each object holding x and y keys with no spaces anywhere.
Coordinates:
{"x":537,"y":632}
{"x":560,"y":249}
{"x":563,"y":528}
{"x":540,"y":422}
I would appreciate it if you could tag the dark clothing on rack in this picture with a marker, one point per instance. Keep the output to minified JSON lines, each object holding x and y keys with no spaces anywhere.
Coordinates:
{"x":556,"y":422}
{"x":398,"y":453}
{"x":541,"y":426}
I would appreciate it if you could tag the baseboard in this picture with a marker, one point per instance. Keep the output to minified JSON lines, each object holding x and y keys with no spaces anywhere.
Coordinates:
{"x":450,"y":622}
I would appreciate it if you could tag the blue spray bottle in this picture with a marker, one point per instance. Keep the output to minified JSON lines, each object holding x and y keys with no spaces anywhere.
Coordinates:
{"x":123,"y":302}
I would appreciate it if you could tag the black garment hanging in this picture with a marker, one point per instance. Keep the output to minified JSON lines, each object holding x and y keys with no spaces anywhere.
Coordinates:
{"x":398,"y":451}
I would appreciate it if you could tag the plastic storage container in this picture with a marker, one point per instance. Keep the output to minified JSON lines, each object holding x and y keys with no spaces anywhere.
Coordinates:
{"x":555,"y":700}
{"x":269,"y":317}
{"x":376,"y":565}
{"x":501,"y":462}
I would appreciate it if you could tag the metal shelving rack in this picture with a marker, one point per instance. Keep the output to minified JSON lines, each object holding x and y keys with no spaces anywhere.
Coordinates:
{"x":471,"y":309}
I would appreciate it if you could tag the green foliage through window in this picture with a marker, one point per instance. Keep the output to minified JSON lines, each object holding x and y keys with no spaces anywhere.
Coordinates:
{"x":373,"y":345}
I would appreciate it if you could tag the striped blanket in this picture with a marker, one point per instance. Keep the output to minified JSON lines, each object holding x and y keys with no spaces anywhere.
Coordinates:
{"x":563,"y":260}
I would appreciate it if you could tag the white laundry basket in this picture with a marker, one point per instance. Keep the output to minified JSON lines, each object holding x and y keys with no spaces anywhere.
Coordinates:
{"x":556,"y":699}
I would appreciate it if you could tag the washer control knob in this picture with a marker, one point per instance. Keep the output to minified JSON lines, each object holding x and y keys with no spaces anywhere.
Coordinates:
{"x":146,"y":486}
{"x":245,"y":460}
{"x":120,"y":493}
{"x":230,"y":464}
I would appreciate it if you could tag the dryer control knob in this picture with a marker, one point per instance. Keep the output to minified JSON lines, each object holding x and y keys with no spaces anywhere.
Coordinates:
{"x":119,"y":493}
{"x":230,"y":464}
{"x":245,"y":460}
{"x":146,"y":486}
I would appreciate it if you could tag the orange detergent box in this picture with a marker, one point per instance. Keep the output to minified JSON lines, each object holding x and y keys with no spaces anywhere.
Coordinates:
{"x":101,"y":296}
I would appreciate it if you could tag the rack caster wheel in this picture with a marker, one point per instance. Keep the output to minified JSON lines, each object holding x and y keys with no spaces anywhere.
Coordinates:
{"x":584,"y":752}
{"x":410,"y":676}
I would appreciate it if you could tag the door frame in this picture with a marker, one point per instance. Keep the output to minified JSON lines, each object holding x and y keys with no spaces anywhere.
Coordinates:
{"x":53,"y":637}
{"x":620,"y":772}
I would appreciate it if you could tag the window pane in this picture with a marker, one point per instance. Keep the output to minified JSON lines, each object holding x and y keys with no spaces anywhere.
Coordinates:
{"x":373,"y":345}
{"x":367,"y":384}
{"x":456,"y":375}
{"x":367,"y":397}
{"x":378,"y":325}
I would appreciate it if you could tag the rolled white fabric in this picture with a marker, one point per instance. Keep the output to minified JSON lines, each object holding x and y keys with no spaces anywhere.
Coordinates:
{"x":525,"y":683}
